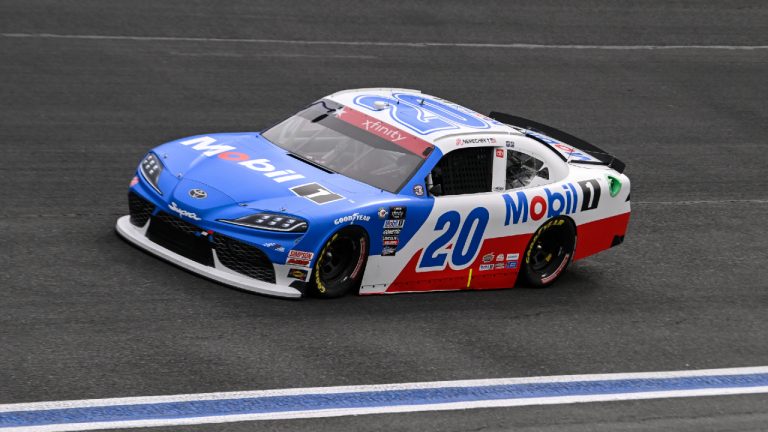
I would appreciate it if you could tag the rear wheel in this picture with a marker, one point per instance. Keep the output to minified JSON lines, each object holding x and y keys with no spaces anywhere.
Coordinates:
{"x":549,"y":252}
{"x":339,"y":268}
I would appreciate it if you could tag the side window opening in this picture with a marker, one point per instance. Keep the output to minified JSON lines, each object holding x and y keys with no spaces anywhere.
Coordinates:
{"x":463,"y":171}
{"x":522,"y":169}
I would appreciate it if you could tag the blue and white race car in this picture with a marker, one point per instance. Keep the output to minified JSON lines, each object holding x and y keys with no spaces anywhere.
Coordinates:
{"x":379,"y":191}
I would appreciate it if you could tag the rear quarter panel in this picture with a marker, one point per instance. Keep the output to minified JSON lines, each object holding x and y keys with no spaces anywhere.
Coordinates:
{"x":477,"y":241}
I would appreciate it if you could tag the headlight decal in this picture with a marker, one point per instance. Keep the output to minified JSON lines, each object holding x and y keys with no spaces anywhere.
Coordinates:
{"x":150,"y":169}
{"x":271,"y":222}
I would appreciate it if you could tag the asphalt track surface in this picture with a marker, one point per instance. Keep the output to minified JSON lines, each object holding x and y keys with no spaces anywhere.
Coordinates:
{"x":85,"y":315}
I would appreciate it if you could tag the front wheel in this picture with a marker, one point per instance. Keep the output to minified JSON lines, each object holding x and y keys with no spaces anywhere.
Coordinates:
{"x":339,"y":268}
{"x":549,"y":252}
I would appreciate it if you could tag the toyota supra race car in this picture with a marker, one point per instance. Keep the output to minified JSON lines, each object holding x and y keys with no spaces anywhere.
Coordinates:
{"x":379,"y":191}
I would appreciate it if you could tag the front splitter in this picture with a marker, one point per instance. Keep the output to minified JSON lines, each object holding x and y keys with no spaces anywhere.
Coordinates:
{"x":219,"y":273}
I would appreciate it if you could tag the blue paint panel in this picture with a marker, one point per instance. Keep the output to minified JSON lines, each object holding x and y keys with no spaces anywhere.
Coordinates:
{"x":243,"y":174}
{"x":190,"y":409}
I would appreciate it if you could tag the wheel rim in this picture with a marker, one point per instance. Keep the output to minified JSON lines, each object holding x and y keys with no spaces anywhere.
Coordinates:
{"x":547,"y":253}
{"x":338,"y":260}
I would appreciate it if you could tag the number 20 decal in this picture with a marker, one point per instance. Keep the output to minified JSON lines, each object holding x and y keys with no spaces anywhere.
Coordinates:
{"x":466,"y":246}
{"x":421,"y":114}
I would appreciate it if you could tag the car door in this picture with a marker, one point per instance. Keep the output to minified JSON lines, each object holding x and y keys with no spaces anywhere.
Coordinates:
{"x":489,"y":202}
{"x":462,"y":187}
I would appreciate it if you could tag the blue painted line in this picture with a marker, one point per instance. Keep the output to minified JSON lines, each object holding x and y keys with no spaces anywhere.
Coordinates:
{"x":383,"y":398}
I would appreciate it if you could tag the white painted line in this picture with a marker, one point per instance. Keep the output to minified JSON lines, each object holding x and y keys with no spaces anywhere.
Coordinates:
{"x":375,"y":399}
{"x":388,"y":44}
{"x":34,"y":406}
{"x":381,"y":410}
{"x":730,"y":201}
{"x":279,"y":55}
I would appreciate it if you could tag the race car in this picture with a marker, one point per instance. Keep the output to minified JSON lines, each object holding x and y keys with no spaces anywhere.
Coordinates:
{"x":379,"y":191}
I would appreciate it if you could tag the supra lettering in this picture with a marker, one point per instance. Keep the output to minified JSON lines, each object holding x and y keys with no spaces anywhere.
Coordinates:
{"x":173,"y":206}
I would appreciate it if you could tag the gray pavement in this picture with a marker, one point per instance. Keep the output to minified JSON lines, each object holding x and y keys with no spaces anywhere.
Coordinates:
{"x":84,"y":315}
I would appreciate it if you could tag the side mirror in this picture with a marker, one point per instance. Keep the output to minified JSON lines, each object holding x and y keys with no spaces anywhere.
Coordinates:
{"x":436,"y":190}
{"x":544,"y":173}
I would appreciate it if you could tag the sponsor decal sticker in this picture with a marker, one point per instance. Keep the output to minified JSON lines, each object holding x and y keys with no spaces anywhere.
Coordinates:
{"x":512,"y":264}
{"x":488,"y":257}
{"x":393,"y":242}
{"x":274,"y":246}
{"x":388,"y":251}
{"x":394,"y":223}
{"x":352,"y":218}
{"x":397,"y":212}
{"x":499,"y":266}
{"x":500,"y":257}
{"x":513,"y":257}
{"x":174,"y":207}
{"x":484,"y":267}
{"x":208,"y":146}
{"x":316,"y":193}
{"x":300,"y":254}
{"x":391,"y":231}
{"x":500,"y":153}
{"x":382,"y":213}
{"x":520,"y":208}
{"x":298,"y":262}
{"x":300,"y":274}
{"x":564,"y":149}
{"x":509,"y":144}
{"x":385,"y":130}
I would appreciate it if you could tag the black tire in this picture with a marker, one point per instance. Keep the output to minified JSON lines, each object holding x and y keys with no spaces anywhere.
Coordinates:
{"x":341,"y":263}
{"x":549,"y":252}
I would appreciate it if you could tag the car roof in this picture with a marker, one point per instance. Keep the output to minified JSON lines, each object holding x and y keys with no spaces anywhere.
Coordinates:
{"x":378,"y":102}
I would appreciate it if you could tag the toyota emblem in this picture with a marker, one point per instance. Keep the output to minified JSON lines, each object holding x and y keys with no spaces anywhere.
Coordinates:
{"x":198,"y":193}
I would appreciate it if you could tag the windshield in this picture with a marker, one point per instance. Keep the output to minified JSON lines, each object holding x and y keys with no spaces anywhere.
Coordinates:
{"x":323,"y":134}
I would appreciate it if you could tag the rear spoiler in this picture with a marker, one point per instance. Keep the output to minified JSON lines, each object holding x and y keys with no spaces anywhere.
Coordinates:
{"x":603,"y":157}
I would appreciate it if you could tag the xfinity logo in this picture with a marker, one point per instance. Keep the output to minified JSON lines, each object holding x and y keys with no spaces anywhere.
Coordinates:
{"x":377,"y":126}
{"x":198,"y":193}
{"x":182,"y":212}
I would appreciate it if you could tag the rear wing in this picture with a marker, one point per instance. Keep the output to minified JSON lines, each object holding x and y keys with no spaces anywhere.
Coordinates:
{"x":567,"y":146}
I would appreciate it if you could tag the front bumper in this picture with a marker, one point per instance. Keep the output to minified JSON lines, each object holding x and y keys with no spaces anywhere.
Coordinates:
{"x":218,"y":272}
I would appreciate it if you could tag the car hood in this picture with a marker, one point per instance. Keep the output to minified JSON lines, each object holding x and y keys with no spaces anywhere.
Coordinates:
{"x":248,"y":170}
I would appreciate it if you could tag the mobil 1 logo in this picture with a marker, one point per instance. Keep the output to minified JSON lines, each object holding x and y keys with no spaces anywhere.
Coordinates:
{"x":316,"y":193}
{"x":591,"y":194}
